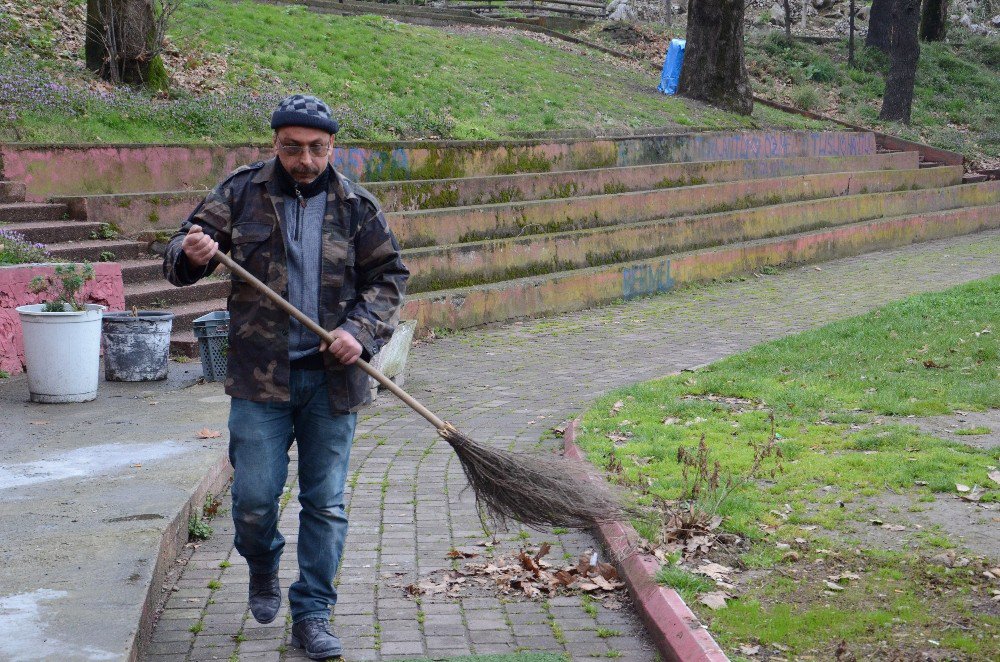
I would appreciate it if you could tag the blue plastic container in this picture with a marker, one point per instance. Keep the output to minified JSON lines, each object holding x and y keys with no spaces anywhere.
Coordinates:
{"x":672,"y":67}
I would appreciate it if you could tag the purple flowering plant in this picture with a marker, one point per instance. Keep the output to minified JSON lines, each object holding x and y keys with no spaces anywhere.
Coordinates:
{"x":15,"y":249}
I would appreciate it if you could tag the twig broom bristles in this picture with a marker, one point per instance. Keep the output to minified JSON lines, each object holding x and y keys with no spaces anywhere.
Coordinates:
{"x":534,"y":489}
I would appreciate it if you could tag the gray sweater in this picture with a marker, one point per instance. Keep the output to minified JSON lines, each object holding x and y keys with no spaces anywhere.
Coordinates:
{"x":303,"y":242}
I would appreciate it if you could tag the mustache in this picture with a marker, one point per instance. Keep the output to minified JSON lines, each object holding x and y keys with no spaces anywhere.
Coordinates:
{"x":305,"y":170}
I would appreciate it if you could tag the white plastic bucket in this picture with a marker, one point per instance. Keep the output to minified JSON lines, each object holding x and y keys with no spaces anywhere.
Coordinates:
{"x":63,"y":352}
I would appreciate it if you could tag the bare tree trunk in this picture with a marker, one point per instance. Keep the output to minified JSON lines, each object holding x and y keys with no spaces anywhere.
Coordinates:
{"x":904,"y":49}
{"x":934,"y":20}
{"x":878,"y":25}
{"x":668,"y":8}
{"x":788,"y":20}
{"x":850,"y":41}
{"x":714,"y":70}
{"x":124,"y":39}
{"x":93,"y":47}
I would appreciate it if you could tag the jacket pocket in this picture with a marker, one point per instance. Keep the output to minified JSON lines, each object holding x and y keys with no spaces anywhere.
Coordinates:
{"x":252,"y":248}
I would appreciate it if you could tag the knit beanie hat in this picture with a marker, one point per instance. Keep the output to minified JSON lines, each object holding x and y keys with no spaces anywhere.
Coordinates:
{"x":303,"y":110}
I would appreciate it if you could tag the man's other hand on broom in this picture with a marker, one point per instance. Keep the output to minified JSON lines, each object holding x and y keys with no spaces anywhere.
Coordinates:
{"x":345,"y":347}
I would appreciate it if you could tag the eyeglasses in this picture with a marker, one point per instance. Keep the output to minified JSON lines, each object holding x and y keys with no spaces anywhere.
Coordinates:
{"x":296,"y":150}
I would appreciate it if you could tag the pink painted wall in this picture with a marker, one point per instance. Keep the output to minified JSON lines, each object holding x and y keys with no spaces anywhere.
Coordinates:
{"x":106,"y":289}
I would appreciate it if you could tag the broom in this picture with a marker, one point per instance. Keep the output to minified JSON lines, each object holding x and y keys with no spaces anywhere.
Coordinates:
{"x":534,"y":489}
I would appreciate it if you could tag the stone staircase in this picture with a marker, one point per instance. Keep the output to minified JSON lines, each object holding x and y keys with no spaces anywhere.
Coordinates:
{"x":575,"y":233}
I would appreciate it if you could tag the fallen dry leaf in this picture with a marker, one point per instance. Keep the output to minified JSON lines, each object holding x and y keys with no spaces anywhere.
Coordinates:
{"x":607,"y":571}
{"x":542,"y":551}
{"x":843,"y":575}
{"x":894,"y":527}
{"x":929,"y":363}
{"x":617,"y":407}
{"x":714,"y":571}
{"x":974,"y":495}
{"x":461,"y":553}
{"x":715,"y":600}
{"x":962,"y":488}
{"x":994,"y":476}
{"x":528,"y":563}
{"x":833,"y":587}
{"x":749,"y":650}
{"x":205,"y":433}
{"x":619,"y":436}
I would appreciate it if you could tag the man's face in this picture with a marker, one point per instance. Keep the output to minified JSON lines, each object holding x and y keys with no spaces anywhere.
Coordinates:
{"x":304,"y":166}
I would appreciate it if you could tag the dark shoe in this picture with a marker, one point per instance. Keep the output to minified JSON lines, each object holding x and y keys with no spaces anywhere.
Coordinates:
{"x":314,"y":636}
{"x":265,"y":597}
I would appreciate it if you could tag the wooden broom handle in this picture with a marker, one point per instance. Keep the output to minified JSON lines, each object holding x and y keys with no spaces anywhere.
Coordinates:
{"x":325,"y":335}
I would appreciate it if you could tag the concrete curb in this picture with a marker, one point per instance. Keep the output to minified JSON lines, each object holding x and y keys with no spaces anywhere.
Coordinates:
{"x":673,"y":627}
{"x":174,"y":537}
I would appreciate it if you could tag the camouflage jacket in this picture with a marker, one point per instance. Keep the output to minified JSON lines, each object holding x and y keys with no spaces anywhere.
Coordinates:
{"x":362,"y":280}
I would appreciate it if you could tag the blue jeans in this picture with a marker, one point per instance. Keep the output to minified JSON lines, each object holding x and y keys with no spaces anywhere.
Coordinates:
{"x":260,"y":435}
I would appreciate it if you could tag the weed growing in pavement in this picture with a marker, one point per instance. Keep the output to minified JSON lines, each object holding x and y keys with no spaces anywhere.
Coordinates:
{"x":199,"y":529}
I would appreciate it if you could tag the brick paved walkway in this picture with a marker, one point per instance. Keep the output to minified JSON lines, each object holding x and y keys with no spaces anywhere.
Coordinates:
{"x":506,"y":385}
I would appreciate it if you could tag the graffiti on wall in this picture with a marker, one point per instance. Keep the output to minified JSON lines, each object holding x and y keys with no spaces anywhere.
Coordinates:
{"x":365,"y":163}
{"x":647,"y":279}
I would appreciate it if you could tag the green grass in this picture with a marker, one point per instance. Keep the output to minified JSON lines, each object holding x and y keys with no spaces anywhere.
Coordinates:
{"x":825,"y":388}
{"x":689,"y":585}
{"x":979,"y":429}
{"x":386,"y":80}
{"x":956,"y":97}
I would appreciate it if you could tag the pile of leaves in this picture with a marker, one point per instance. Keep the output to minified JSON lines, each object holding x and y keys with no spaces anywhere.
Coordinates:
{"x":525,"y":573}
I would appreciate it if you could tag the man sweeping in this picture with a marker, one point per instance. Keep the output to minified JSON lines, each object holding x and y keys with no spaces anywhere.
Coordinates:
{"x":322,"y":242}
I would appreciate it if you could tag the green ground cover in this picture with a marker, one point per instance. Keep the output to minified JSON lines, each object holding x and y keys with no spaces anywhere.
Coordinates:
{"x":956,"y":103}
{"x":387,"y":80}
{"x":840,"y":396}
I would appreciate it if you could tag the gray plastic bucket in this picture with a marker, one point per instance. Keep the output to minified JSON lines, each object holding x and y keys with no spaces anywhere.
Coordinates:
{"x":136,"y":349}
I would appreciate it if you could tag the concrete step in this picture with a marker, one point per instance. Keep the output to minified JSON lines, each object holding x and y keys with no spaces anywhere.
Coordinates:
{"x":98,"y":250}
{"x":11,"y":191}
{"x":142,"y":212}
{"x":471,"y":191}
{"x":51,"y":232}
{"x":67,"y":172}
{"x":438,"y":268}
{"x":137,"y":271}
{"x":462,"y":224}
{"x":185,"y":314}
{"x":183,"y":343}
{"x":161,"y":294}
{"x":583,"y":288}
{"x":29,"y":212}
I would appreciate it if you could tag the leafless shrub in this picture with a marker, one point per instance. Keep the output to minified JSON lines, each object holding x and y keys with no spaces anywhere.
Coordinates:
{"x":706,"y":486}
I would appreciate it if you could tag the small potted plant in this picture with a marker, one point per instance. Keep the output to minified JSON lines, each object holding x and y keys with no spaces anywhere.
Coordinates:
{"x":62,"y":337}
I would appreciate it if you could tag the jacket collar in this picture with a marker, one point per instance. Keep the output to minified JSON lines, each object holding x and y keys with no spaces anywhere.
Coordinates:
{"x":338,"y":185}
